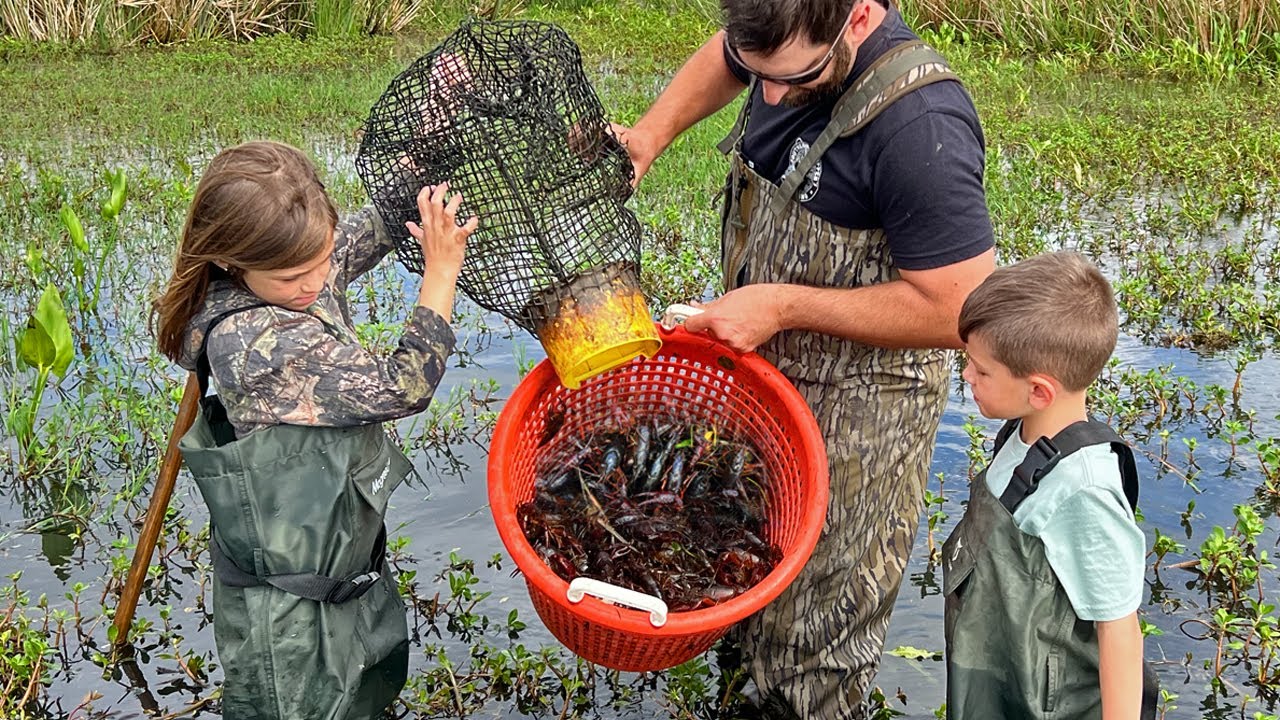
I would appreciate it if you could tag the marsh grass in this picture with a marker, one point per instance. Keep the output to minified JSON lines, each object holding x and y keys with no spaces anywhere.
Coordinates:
{"x":1214,"y":36}
{"x":1219,"y":38}
{"x":114,"y":23}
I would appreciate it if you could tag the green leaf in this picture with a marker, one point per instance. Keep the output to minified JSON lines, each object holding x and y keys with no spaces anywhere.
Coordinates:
{"x":34,"y":259}
{"x":22,"y":423}
{"x":35,"y":347}
{"x":46,"y":342}
{"x":119,"y":190}
{"x":76,"y":230}
{"x":911,"y":653}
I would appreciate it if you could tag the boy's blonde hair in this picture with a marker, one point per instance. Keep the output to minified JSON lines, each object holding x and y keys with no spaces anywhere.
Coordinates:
{"x":1053,"y":314}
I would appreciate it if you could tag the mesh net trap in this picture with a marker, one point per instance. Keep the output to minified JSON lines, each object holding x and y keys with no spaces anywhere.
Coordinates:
{"x":503,"y":112}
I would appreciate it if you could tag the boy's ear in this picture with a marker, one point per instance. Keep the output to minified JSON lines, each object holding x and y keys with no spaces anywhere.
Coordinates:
{"x":1043,"y":391}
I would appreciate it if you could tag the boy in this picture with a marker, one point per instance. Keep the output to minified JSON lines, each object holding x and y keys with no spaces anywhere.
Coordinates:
{"x":1043,"y":575}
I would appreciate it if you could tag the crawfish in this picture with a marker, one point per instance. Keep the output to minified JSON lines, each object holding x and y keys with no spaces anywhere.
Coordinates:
{"x":674,"y":478}
{"x":644,"y":435}
{"x":741,"y":569}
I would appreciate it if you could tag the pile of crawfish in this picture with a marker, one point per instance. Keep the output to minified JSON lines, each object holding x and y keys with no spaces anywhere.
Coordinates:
{"x":662,"y":507}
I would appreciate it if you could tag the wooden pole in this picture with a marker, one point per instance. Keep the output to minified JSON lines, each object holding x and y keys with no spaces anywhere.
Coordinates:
{"x":154,"y":521}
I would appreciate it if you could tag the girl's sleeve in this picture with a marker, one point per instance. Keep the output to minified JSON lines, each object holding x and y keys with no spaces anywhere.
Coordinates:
{"x":305,"y":376}
{"x":359,"y":243}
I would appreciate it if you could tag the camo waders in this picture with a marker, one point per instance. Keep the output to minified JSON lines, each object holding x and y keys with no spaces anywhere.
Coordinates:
{"x":1015,"y":648}
{"x":819,"y":643}
{"x":308,"y":621}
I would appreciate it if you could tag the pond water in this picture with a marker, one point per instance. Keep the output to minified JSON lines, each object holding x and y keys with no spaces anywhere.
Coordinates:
{"x":447,"y":512}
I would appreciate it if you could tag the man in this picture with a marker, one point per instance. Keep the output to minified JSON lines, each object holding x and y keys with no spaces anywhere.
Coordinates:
{"x":847,"y":256}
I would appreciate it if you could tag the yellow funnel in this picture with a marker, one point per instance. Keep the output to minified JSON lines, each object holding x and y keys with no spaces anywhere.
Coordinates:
{"x":596,"y":322}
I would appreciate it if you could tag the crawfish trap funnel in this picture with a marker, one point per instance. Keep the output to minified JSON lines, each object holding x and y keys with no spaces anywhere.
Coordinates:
{"x":503,"y":112}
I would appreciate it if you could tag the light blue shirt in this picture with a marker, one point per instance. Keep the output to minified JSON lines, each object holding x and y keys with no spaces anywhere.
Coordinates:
{"x":1080,"y":513}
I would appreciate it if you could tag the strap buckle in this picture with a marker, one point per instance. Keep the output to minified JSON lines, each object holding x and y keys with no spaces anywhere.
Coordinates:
{"x":352,"y":587}
{"x":1049,"y":454}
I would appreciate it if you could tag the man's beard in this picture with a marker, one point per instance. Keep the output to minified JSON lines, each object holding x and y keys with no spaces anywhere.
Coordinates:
{"x":841,"y":63}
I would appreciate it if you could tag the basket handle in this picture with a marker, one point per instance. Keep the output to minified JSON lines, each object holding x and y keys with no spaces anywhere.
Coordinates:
{"x":677,"y":313}
{"x":615,"y":595}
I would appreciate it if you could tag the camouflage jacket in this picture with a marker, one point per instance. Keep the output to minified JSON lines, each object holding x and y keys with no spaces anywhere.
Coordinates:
{"x":274,"y":366}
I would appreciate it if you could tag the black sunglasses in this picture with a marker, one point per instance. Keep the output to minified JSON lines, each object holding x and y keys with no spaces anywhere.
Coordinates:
{"x":804,"y":76}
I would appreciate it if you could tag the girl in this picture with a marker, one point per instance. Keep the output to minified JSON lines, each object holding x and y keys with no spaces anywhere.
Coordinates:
{"x":290,"y":455}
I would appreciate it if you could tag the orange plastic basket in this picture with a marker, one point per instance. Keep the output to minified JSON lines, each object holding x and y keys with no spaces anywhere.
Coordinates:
{"x":699,"y":380}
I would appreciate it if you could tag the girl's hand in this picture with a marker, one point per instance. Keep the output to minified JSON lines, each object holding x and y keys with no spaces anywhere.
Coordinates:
{"x":443,"y":241}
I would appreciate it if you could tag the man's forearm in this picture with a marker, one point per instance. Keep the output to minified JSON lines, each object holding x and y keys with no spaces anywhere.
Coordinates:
{"x":893,"y":314}
{"x":702,"y":86}
{"x":919,"y":310}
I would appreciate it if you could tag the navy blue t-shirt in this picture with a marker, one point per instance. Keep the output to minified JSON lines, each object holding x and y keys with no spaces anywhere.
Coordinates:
{"x":915,"y":170}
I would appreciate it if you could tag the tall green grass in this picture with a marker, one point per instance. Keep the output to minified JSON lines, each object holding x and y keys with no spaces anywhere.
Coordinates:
{"x":1211,"y":37}
{"x":129,"y":22}
{"x":1219,"y":36}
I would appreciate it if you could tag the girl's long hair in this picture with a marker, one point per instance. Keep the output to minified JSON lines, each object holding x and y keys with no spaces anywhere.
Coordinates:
{"x":259,"y":206}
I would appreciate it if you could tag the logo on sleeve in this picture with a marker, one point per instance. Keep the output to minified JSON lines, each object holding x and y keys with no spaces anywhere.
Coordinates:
{"x":809,"y":188}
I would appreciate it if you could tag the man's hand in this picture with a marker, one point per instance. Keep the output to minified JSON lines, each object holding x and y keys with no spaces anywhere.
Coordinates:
{"x":744,"y":319}
{"x":702,"y":86}
{"x":642,"y":147}
{"x":918,"y":310}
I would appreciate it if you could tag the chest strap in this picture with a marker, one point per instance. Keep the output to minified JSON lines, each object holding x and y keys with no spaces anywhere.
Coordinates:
{"x":1045,"y":453}
{"x":902,"y":69}
{"x":310,"y":586}
{"x":730,"y":142}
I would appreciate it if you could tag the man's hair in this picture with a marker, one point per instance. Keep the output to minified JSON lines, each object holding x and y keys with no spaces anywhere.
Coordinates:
{"x":763,"y":26}
{"x":1053,"y":314}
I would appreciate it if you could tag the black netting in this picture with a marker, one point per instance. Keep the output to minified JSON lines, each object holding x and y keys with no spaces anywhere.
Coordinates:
{"x":504,"y":112}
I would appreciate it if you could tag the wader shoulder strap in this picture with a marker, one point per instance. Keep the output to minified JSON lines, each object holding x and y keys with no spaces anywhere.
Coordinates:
{"x":730,"y":141}
{"x":319,"y":588}
{"x":1044,"y":454}
{"x":903,"y":69}
{"x":203,"y":371}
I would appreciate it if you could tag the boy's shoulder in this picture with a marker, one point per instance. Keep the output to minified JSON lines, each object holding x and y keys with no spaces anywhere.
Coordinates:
{"x":1092,"y":466}
{"x":1099,"y":458}
{"x":1089,"y":481}
{"x":1093,"y":471}
{"x":1084,"y":455}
